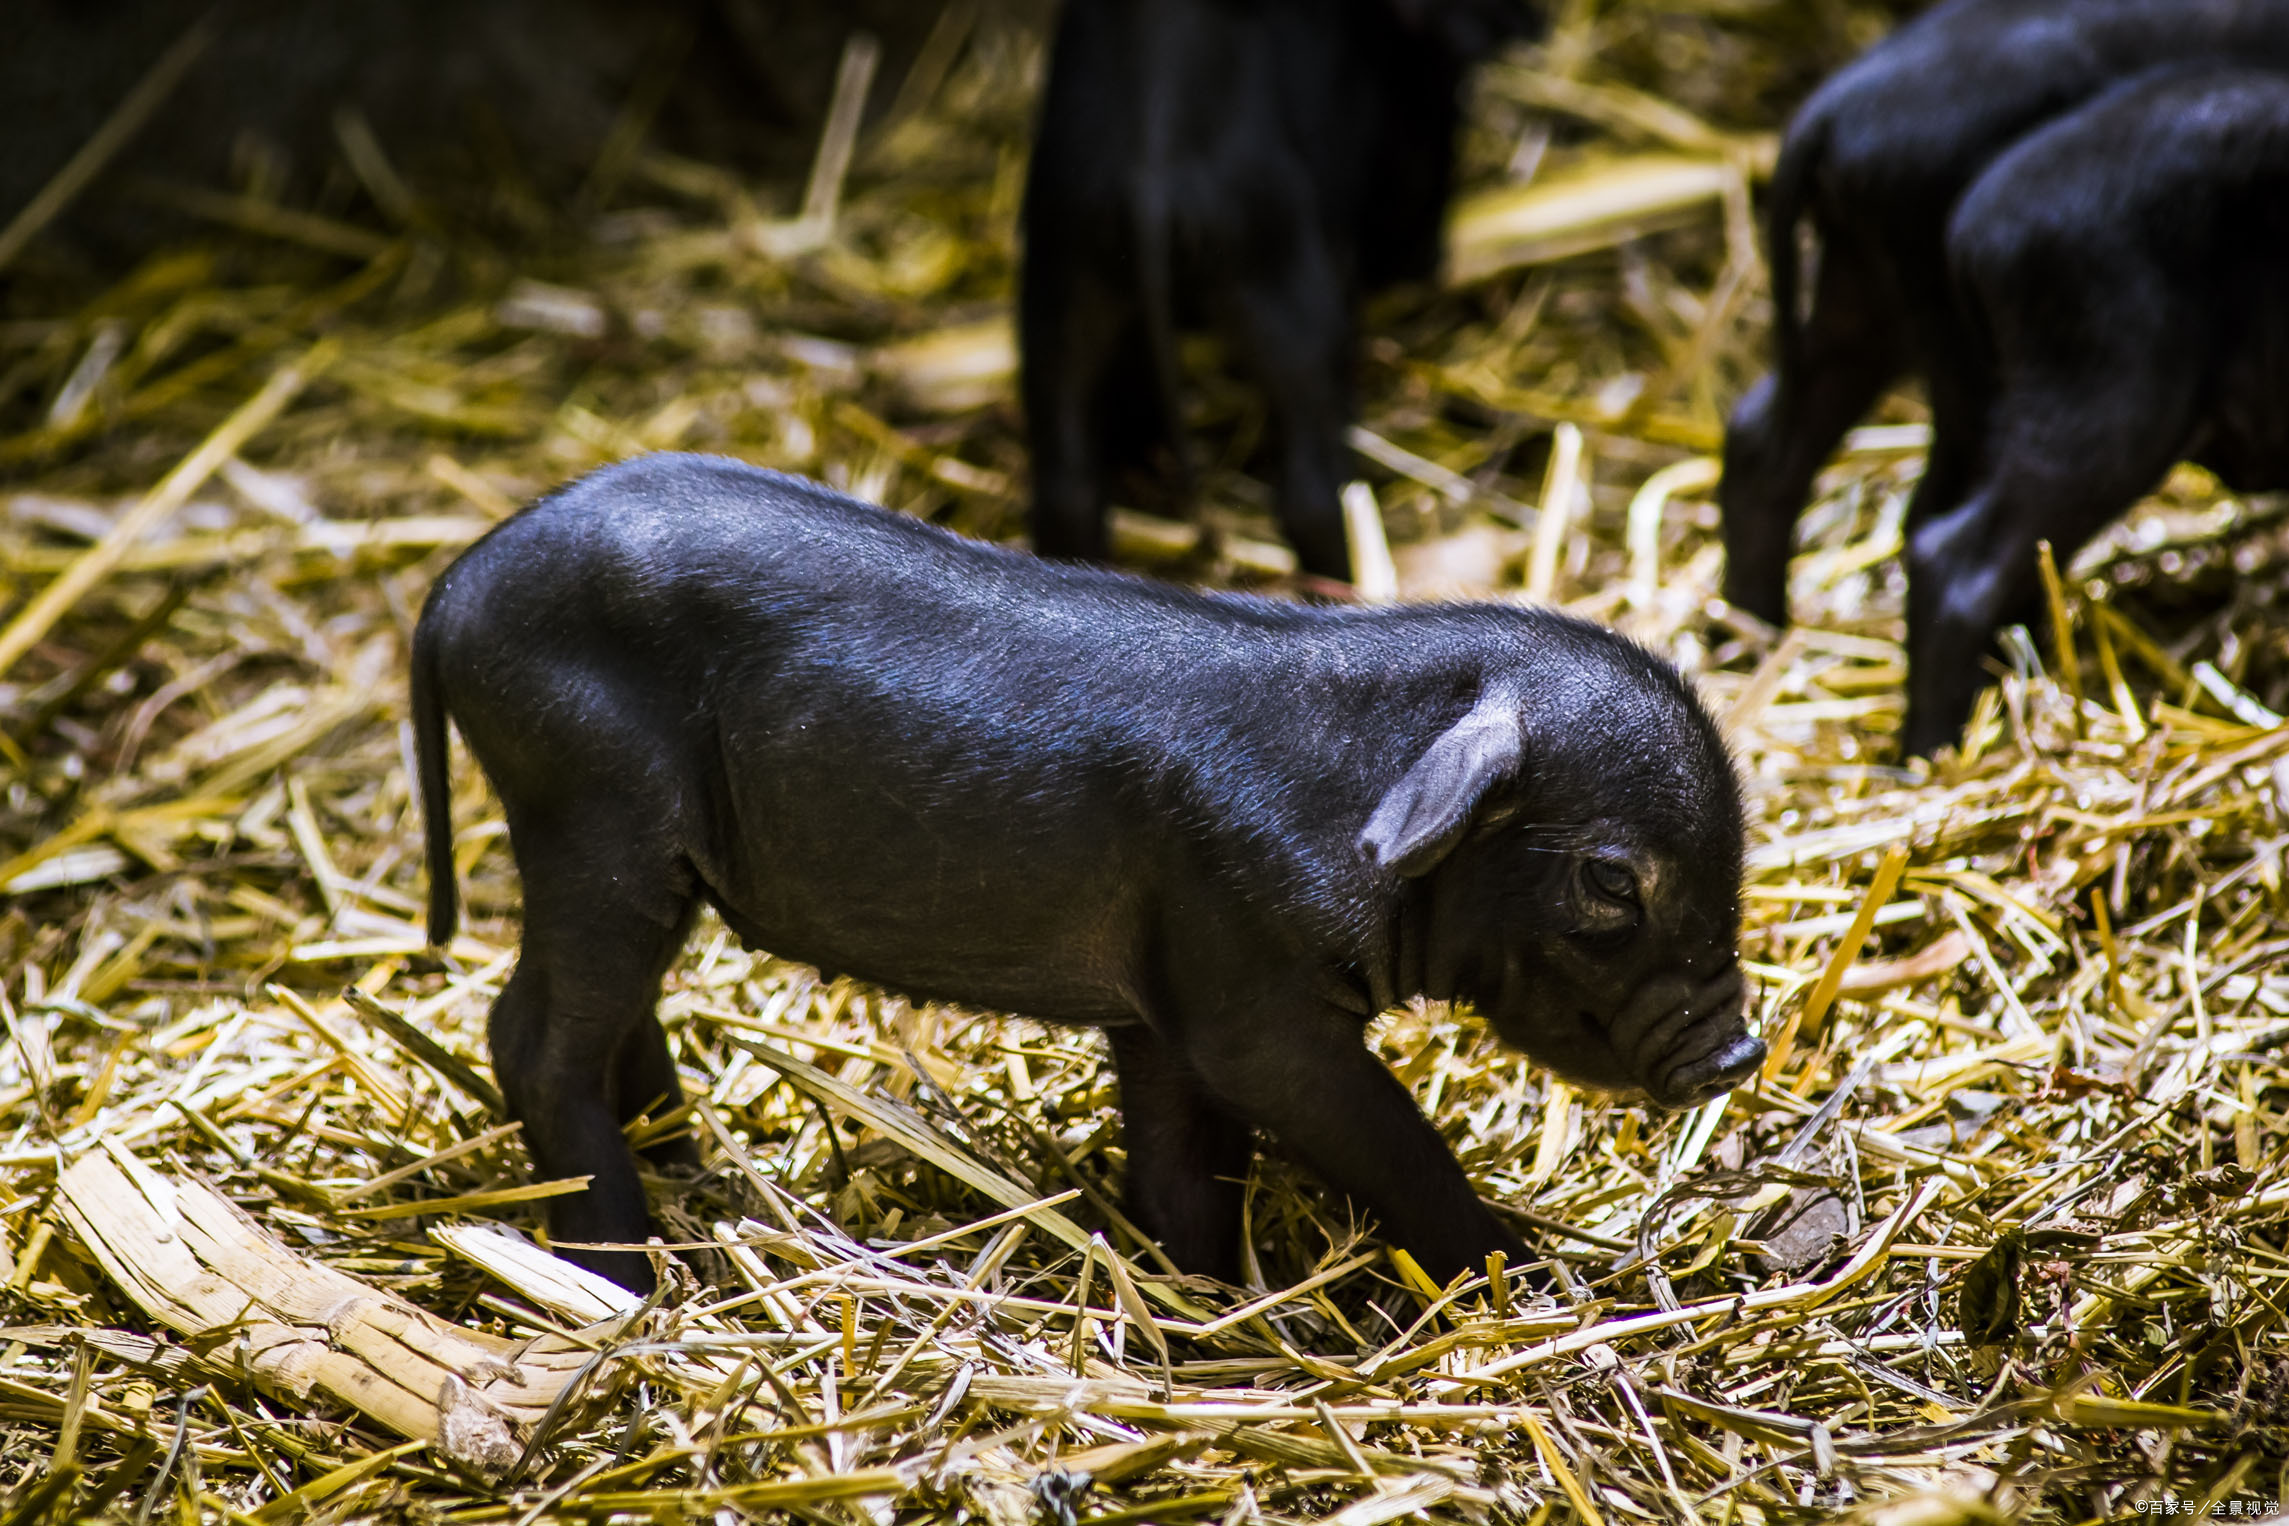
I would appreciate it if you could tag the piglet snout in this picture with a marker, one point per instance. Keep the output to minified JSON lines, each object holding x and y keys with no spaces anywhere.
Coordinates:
{"x":1702,"y":1049}
{"x":1719,"y":1073}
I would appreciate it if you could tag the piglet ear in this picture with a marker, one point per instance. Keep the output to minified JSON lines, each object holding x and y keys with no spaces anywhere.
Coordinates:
{"x":1425,"y":814}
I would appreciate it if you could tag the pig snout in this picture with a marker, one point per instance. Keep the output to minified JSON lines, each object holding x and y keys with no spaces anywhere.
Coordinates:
{"x":1687,"y":1042}
{"x":1696,"y":1081}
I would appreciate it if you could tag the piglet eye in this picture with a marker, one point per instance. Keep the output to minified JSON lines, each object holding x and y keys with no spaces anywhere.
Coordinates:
{"x":1613,"y":881}
{"x":1605,"y":900}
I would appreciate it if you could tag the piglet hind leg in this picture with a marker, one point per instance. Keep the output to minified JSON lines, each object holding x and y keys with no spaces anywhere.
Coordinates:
{"x":574,"y":1039}
{"x":1300,"y":1070}
{"x":2058,"y":463}
{"x":645,"y":1084}
{"x":1076,"y":327}
{"x":1188,"y":1156}
{"x":1294,"y":323}
{"x":1839,"y":360}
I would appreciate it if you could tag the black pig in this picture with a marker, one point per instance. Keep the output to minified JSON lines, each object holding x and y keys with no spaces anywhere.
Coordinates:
{"x":1226,"y":830}
{"x":2122,"y":270}
{"x":482,"y":105}
{"x":1875,"y":163}
{"x":1255,"y":166}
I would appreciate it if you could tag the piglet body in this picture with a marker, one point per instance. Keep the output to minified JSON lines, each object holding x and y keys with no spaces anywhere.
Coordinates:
{"x":1226,"y":830}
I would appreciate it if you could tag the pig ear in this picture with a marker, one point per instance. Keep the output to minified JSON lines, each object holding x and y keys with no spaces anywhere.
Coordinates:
{"x":1425,"y":814}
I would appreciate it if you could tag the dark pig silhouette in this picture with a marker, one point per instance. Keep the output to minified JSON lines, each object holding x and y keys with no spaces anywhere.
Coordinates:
{"x":1871,"y":168}
{"x":1226,"y":830}
{"x":2122,"y":273}
{"x":493,"y":112}
{"x":1250,"y":166}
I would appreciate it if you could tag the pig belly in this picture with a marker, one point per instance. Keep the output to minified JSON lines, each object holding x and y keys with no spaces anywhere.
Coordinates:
{"x":1050,"y":979}
{"x":962,"y":901}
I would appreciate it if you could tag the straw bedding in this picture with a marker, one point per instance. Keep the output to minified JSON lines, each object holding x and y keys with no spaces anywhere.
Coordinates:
{"x":2000,"y":1230}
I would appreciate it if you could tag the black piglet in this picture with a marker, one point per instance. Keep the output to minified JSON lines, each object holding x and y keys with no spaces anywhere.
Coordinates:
{"x":1253,"y":167}
{"x":1225,"y":830}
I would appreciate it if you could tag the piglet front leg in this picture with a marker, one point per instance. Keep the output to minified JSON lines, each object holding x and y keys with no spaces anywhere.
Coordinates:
{"x":1297,"y":1068}
{"x":1188,"y":1156}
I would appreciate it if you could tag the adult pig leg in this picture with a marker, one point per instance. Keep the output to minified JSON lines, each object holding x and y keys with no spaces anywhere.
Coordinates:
{"x":1832,"y":368}
{"x":605,"y":914}
{"x":1188,"y":1157}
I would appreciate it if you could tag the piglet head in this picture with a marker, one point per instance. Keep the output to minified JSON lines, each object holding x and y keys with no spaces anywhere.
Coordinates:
{"x":1577,"y":858}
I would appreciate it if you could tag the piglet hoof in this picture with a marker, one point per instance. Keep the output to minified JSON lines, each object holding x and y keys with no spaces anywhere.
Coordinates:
{"x":1746,"y":622}
{"x":673,"y":1271}
{"x":1922,"y":742}
{"x":681,"y":1168}
{"x":631,"y":1269}
{"x":710,"y":1269}
{"x":1314,"y":589}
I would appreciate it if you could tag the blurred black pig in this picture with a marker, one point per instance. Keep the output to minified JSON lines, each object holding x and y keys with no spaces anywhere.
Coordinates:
{"x":1226,"y":830}
{"x":2122,"y":270}
{"x":1874,"y":163}
{"x":493,"y":112}
{"x":1251,"y":166}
